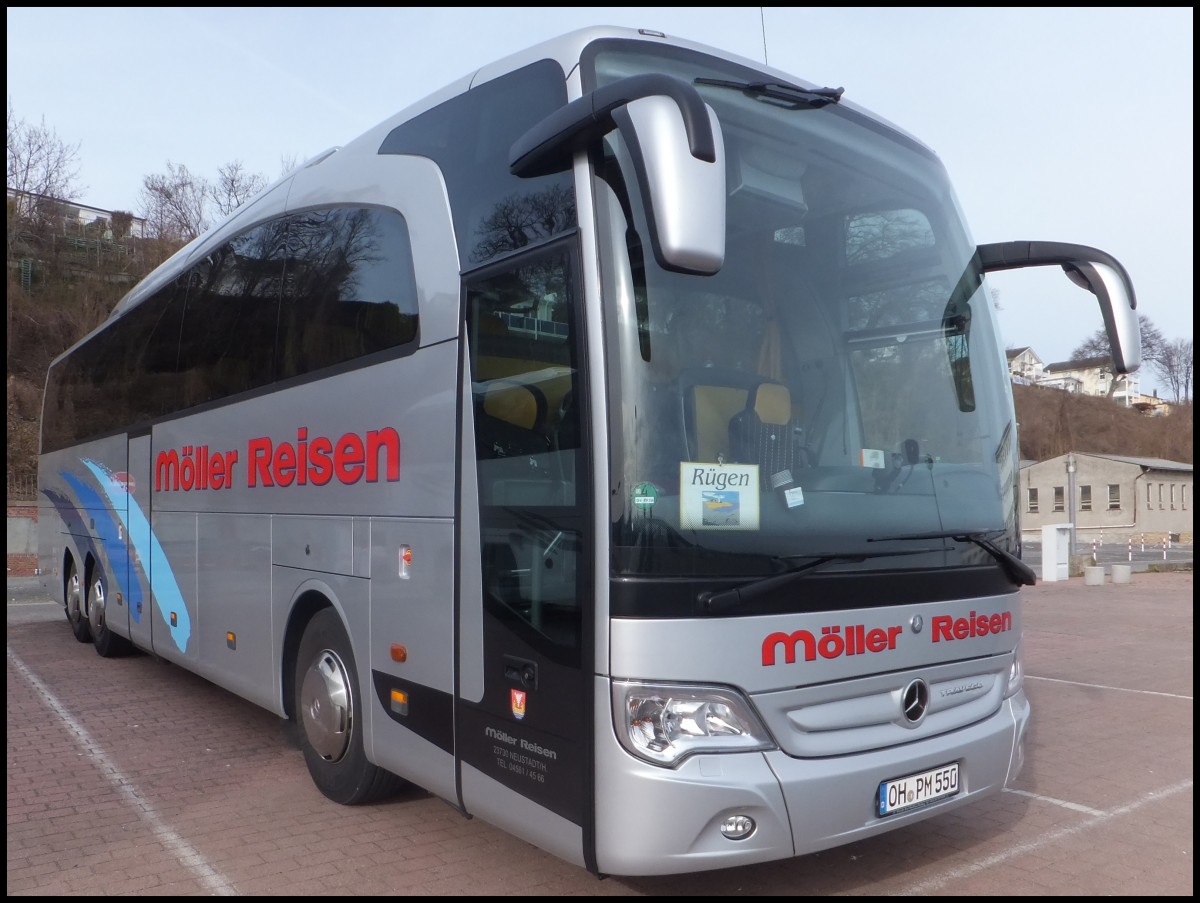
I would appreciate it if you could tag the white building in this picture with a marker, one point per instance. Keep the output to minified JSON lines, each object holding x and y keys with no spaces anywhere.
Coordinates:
{"x":1115,"y":496}
{"x":77,"y":219}
{"x":1092,"y":376}
{"x":1024,"y":366}
{"x":1088,"y":376}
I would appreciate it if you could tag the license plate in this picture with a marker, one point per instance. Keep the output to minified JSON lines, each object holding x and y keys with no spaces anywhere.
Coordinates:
{"x":918,"y":789}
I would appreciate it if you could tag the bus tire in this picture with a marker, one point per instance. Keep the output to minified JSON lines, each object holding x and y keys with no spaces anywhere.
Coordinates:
{"x":107,"y":643}
{"x":329,"y":712}
{"x":73,"y":603}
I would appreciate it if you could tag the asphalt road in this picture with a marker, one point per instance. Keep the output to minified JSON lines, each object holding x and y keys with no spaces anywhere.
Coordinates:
{"x":132,"y":777}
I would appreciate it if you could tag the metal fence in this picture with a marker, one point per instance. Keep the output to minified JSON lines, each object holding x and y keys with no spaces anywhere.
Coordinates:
{"x":22,"y":488}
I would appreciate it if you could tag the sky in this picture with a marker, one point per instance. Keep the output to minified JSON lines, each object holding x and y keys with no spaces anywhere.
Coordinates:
{"x":1055,"y":123}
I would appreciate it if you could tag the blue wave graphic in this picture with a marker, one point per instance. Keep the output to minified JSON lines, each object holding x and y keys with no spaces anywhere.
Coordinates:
{"x":67,"y":511}
{"x":114,"y":545}
{"x":163,"y":584}
{"x":106,"y":531}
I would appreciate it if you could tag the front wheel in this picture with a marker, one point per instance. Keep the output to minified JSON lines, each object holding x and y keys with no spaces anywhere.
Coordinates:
{"x":330,"y":714}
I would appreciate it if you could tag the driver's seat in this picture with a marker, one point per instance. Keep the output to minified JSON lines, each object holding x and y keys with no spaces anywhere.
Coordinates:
{"x":767,"y":431}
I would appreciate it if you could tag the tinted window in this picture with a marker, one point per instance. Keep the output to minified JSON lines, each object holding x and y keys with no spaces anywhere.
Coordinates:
{"x":124,"y":374}
{"x":144,"y":347}
{"x":524,"y":347}
{"x":469,"y":137}
{"x":228,"y":340}
{"x":74,"y":405}
{"x":286,"y":298}
{"x":348,"y":290}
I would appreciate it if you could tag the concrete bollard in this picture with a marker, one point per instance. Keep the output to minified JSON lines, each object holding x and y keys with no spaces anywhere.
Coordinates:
{"x":1093,"y":576}
{"x":1122,"y":573}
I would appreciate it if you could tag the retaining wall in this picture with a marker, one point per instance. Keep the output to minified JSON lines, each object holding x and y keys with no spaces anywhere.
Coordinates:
{"x":22,"y":540}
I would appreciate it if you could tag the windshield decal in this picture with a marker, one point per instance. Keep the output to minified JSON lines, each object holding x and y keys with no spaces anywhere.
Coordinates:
{"x":718,"y":496}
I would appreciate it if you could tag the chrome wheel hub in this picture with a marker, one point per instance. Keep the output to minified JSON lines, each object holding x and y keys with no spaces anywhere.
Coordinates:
{"x":95,"y":608}
{"x":74,"y":599}
{"x":326,"y":706}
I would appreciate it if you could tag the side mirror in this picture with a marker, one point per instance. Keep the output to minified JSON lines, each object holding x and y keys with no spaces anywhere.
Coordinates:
{"x":677,"y":150}
{"x":1091,"y":269}
{"x":684,"y":196}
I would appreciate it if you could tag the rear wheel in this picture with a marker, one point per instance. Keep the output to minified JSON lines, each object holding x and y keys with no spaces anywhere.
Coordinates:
{"x":107,"y":643}
{"x":330,"y":714}
{"x":74,"y":603}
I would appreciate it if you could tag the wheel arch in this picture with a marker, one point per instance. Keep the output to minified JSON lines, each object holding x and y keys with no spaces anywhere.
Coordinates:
{"x":90,"y":563}
{"x":83,"y":560}
{"x":68,"y":561}
{"x":307,"y":603}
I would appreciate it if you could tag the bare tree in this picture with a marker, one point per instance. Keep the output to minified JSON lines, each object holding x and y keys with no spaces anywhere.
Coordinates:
{"x":42,"y":168}
{"x":235,"y":186}
{"x":174,"y":204}
{"x":1173,"y":367}
{"x":518,"y":219}
{"x":1096,"y":345}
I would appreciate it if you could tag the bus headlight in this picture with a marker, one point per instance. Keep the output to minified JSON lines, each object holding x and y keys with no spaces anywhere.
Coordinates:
{"x":1016,"y":674}
{"x":666,"y":723}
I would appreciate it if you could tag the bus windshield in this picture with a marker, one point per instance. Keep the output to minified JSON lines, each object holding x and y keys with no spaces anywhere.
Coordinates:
{"x":837,"y":393}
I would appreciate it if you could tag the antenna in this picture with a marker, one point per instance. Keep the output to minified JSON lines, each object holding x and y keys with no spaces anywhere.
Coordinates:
{"x":763,"y":22}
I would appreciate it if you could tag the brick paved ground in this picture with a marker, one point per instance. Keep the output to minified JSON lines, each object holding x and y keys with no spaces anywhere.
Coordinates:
{"x":130,"y":776}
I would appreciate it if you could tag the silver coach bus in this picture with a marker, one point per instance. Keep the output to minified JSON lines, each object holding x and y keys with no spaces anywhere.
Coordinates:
{"x":617,"y":444}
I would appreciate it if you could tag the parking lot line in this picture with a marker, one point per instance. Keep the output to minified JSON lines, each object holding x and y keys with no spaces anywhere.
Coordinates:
{"x":1044,"y":840}
{"x":1056,"y":680}
{"x":187,"y":855}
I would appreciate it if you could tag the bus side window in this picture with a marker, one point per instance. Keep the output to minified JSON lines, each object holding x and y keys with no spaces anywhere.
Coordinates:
{"x":522,"y":341}
{"x":227,"y":341}
{"x":349,"y":288}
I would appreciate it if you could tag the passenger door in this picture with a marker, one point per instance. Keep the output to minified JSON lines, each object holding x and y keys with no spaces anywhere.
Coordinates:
{"x":525,"y":712}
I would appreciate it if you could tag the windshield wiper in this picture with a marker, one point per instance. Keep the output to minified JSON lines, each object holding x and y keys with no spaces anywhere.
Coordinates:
{"x":800,"y":97}
{"x":1021,"y":573}
{"x":715,"y":603}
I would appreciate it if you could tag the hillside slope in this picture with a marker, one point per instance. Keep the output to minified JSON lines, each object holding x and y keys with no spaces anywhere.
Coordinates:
{"x":1052,"y":422}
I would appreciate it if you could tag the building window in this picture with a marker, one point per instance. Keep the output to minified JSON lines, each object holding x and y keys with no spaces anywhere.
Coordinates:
{"x":1033,"y":501}
{"x":1059,"y":504}
{"x":1085,"y":498}
{"x":1160,"y":496}
{"x":1172,"y":496}
{"x":1149,"y":496}
{"x":1114,"y":496}
{"x":1183,"y":490}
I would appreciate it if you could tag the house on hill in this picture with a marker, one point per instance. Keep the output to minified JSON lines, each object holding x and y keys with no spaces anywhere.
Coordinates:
{"x":1116,"y":496}
{"x":75,"y":219}
{"x":1024,"y":366}
{"x":1091,"y":376}
{"x":1087,"y":376}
